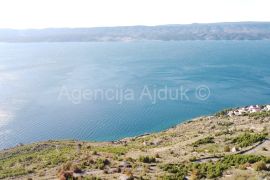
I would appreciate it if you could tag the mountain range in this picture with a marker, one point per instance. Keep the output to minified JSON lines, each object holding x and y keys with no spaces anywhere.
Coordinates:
{"x":212,"y":31}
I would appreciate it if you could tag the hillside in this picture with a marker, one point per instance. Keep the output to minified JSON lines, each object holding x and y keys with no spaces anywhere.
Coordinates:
{"x":215,"y":31}
{"x":223,"y":146}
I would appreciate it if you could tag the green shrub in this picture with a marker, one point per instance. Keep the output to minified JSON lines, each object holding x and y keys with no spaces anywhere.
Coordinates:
{"x":248,"y":139}
{"x":261,"y":114}
{"x":210,"y":169}
{"x":17,"y":161}
{"x":12,"y":172}
{"x":119,"y":150}
{"x":147,"y":159}
{"x":178,"y":171}
{"x":214,"y":169}
{"x":101,"y":163}
{"x":206,"y":140}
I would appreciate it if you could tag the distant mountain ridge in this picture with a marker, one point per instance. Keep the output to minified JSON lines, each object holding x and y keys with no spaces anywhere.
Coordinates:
{"x":212,"y":31}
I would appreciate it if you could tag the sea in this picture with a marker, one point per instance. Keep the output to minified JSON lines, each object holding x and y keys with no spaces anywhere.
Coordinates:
{"x":105,"y":91}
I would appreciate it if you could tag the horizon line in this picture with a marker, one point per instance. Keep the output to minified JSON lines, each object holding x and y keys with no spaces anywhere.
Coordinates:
{"x":184,"y":24}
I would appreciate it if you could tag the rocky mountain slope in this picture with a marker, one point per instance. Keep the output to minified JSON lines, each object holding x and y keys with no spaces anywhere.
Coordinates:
{"x":214,"y":31}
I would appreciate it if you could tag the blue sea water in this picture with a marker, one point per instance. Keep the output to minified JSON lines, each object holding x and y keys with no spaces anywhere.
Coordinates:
{"x":42,"y":86}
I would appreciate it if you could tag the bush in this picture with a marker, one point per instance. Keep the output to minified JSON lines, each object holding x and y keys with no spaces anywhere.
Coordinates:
{"x":147,"y":159}
{"x":179,"y":171}
{"x":236,"y":160}
{"x":258,"y":115}
{"x":248,"y":139}
{"x":94,"y":153}
{"x":210,"y":169}
{"x":101,"y":163}
{"x":206,"y":140}
{"x":227,"y":149}
{"x":259,"y":166}
{"x":119,"y":150}
{"x":214,"y":169}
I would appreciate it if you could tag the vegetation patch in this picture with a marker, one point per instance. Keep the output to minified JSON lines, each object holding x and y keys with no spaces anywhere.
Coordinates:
{"x":177,"y":171}
{"x":101,"y":163}
{"x":213,"y":169}
{"x":147,"y":159}
{"x":206,"y":140}
{"x":225,"y":123}
{"x":248,"y":139}
{"x":33,"y":158}
{"x":5,"y":173}
{"x":119,"y":150}
{"x":257,"y":115}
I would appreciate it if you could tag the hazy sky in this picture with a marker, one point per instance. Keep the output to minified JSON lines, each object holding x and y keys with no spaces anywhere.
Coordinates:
{"x":91,"y":13}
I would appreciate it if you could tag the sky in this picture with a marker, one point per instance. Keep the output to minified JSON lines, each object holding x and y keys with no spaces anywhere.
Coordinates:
{"x":23,"y":14}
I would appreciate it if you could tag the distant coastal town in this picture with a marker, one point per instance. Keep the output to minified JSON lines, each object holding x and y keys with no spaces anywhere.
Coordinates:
{"x":248,"y":110}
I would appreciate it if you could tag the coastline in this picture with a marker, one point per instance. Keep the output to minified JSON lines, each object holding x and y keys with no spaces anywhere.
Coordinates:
{"x":203,"y":140}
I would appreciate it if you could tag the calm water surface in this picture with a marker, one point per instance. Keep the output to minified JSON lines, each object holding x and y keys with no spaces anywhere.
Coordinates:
{"x":32,"y":75}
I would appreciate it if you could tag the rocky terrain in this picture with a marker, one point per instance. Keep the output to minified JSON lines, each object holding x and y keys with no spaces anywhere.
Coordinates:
{"x":210,"y":147}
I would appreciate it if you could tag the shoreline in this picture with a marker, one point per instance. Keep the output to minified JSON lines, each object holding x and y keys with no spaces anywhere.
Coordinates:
{"x":234,"y":111}
{"x":206,"y":141}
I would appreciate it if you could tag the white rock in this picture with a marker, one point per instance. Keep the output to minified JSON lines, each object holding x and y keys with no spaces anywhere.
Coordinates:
{"x":234,"y":149}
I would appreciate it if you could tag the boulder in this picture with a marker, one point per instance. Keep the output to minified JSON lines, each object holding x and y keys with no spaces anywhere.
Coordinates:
{"x":234,"y":149}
